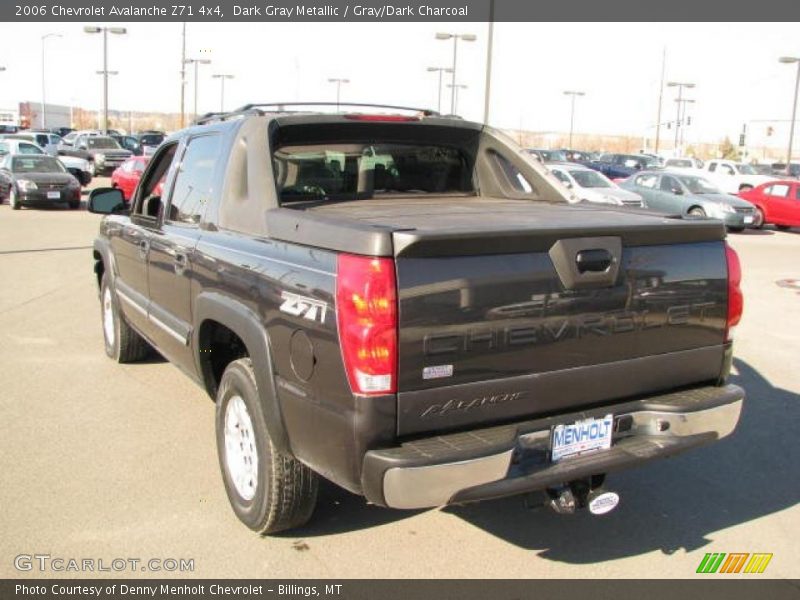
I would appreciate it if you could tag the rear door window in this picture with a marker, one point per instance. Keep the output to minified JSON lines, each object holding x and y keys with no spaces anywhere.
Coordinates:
{"x":194,"y":180}
{"x":646,"y":181}
{"x":781,"y":190}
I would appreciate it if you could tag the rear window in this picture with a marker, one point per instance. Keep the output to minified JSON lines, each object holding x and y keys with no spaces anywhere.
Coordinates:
{"x":357,"y":171}
{"x":151,"y":139}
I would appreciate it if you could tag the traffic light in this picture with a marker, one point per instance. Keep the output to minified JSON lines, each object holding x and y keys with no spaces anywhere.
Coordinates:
{"x":741,"y":140}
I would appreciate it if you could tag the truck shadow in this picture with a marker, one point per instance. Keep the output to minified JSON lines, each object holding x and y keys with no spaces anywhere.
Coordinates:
{"x":677,"y":503}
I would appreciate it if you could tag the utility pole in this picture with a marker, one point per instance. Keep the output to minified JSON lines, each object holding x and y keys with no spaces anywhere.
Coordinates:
{"x":791,"y":60}
{"x":660,"y":97}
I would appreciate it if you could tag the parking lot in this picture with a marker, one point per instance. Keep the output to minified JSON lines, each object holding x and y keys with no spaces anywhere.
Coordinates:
{"x":110,"y":461}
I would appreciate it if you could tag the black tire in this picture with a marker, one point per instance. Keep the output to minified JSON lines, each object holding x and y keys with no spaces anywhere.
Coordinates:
{"x":75,"y":204}
{"x":758,"y":219}
{"x":736,"y":229}
{"x":13,"y":200}
{"x":127,"y":345}
{"x":85,"y":178}
{"x":783,"y":227}
{"x":696,"y":211}
{"x":274,"y":492}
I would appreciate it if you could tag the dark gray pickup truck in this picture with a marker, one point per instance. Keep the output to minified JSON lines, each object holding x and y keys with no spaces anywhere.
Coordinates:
{"x":409,"y":306}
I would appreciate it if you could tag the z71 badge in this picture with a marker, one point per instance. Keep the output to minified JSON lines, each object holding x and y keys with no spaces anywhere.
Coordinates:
{"x":300,"y":306}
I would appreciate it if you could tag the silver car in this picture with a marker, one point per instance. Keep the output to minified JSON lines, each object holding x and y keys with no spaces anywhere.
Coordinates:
{"x":592,"y":186}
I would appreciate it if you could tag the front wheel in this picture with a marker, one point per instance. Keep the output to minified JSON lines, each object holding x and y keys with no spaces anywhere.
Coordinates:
{"x":268,"y":491}
{"x":13,"y":199}
{"x":122,"y":343}
{"x":758,"y":219}
{"x":697,"y":212}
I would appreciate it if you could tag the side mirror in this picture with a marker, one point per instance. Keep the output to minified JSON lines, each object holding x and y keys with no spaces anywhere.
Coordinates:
{"x":568,"y":184}
{"x":106,"y":201}
{"x":677,"y":191}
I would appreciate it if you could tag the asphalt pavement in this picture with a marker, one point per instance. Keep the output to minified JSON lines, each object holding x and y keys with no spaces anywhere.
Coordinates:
{"x":103,"y":461}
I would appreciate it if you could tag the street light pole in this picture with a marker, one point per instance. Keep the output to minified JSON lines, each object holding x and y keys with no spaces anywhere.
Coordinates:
{"x":682,"y":116}
{"x":105,"y":72}
{"x":467,"y":37}
{"x":680,"y":86}
{"x":222,"y":77}
{"x":44,"y":95}
{"x":791,"y":60}
{"x":196,"y":62}
{"x":338,"y":81}
{"x":183,"y":76}
{"x":572,"y":94}
{"x":441,"y":70}
{"x":487,"y":93}
{"x":455,"y":88}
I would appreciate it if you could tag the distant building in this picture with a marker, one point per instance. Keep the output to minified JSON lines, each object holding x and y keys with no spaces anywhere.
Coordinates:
{"x":31,"y":115}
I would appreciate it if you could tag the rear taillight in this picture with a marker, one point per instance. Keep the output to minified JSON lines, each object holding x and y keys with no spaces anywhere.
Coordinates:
{"x":735,"y":297}
{"x":366,"y":311}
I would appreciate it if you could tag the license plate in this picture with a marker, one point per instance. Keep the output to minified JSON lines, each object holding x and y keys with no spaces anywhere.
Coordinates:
{"x":54,"y":195}
{"x":748,"y":219}
{"x":588,"y":435}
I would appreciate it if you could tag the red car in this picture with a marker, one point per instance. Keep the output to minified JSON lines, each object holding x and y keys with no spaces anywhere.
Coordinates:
{"x":126,"y":176}
{"x":777,"y":202}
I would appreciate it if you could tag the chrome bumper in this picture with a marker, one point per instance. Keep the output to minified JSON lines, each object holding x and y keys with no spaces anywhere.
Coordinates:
{"x":513,"y":459}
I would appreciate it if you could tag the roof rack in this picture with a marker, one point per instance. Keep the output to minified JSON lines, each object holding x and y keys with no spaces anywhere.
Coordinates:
{"x":258,"y":109}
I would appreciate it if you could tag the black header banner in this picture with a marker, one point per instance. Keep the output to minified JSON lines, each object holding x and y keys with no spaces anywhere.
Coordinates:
{"x":398,"y":11}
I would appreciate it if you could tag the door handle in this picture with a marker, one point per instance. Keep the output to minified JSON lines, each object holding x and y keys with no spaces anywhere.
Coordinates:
{"x":181,"y":261}
{"x":595,"y":261}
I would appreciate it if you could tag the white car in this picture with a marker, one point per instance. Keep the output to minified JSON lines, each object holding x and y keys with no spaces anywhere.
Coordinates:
{"x":732,"y":177}
{"x":690,"y":164}
{"x":589,"y":185}
{"x":19,"y":144}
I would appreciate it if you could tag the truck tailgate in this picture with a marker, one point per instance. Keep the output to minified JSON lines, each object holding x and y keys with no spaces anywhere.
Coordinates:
{"x":499,"y":319}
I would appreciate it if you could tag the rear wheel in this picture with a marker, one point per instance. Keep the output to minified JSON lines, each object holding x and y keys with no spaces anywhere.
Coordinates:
{"x":696,"y":211}
{"x":268,"y":491}
{"x":13,"y":199}
{"x":122,"y":343}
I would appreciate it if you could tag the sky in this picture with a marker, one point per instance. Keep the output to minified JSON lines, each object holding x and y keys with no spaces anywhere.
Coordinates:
{"x":618,"y":66}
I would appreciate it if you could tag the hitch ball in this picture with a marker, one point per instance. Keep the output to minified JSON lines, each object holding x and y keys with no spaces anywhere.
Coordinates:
{"x":600,"y":502}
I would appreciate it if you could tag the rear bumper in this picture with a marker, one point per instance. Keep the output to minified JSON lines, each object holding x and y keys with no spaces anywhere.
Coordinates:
{"x":512,"y":459}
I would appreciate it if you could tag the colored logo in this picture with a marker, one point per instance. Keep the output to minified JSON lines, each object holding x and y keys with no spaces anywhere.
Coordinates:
{"x":734,"y":562}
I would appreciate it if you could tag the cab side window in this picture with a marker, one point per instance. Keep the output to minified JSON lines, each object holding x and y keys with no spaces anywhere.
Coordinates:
{"x":194,"y":180}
